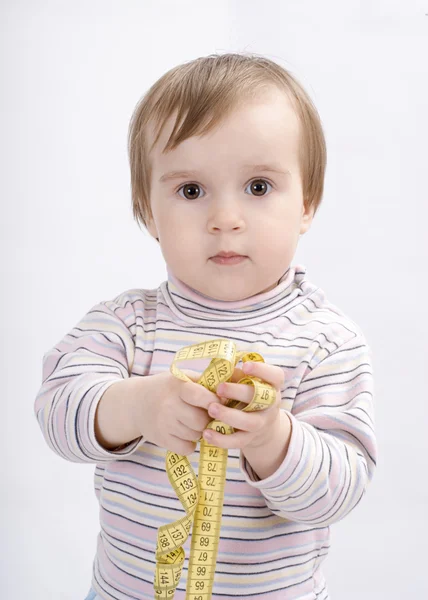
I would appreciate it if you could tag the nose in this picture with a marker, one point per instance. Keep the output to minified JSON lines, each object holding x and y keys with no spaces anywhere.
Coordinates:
{"x":225,"y":215}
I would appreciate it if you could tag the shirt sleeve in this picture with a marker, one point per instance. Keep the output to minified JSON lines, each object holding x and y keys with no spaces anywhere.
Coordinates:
{"x":331,"y":456}
{"x":95,"y":354}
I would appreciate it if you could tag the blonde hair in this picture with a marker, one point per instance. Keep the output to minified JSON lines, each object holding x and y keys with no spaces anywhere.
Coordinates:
{"x":203,"y":92}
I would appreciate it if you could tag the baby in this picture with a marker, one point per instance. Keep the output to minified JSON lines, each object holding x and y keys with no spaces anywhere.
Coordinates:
{"x":227,"y":157}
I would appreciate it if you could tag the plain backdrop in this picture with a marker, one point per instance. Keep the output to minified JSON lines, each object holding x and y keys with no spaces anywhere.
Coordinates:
{"x":71,"y":73}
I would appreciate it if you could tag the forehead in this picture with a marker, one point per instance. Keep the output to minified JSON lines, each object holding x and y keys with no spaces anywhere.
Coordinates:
{"x":261,"y":129}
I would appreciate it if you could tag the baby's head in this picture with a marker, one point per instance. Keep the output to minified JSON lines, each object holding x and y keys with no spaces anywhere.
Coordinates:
{"x":227,"y":154}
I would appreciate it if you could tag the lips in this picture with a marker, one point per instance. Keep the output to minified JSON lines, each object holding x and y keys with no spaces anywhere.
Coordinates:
{"x":227,"y":254}
{"x":228,"y":258}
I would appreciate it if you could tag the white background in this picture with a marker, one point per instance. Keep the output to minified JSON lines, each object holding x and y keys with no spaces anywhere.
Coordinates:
{"x":71,"y":74}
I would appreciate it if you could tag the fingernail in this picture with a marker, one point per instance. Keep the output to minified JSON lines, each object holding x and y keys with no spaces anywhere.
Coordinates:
{"x":207,"y":435}
{"x":220,"y":389}
{"x":247,"y":367}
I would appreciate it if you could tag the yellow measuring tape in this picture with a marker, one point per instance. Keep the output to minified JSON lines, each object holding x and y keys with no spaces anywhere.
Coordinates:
{"x":202,"y":497}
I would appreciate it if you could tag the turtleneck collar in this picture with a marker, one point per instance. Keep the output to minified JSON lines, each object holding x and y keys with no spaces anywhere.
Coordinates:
{"x":195,"y":308}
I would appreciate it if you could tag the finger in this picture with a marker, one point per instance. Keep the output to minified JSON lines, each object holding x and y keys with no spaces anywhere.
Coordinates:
{"x":236,"y":391}
{"x":194,"y":417}
{"x":186,"y":433}
{"x":197,"y":395}
{"x":238,"y":419}
{"x":237,"y":375}
{"x":239,"y":439}
{"x":194,"y":375}
{"x":269,"y":373}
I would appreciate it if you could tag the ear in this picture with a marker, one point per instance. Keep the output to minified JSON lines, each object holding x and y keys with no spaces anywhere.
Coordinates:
{"x":306,"y":219}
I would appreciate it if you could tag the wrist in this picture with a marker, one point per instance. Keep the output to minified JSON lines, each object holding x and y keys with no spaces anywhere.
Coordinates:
{"x":267,"y":457}
{"x":115,"y":422}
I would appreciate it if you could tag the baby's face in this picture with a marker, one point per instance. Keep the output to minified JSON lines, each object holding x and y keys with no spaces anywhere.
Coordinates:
{"x":222,"y":204}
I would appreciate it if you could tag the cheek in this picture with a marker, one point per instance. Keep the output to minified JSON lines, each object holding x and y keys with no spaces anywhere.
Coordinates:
{"x":168,"y":224}
{"x":174,"y":213}
{"x":285,"y":224}
{"x":274,"y":232}
{"x":179,"y":240}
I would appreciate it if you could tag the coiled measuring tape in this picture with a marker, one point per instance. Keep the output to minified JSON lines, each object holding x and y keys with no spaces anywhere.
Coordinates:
{"x":202,"y":496}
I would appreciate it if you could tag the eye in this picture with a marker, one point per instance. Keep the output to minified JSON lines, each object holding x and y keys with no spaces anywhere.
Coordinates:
{"x":190,"y":190}
{"x":259,"y":186}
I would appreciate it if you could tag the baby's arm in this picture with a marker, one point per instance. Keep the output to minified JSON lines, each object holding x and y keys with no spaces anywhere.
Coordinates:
{"x":332,"y":451}
{"x":95,"y":354}
{"x":114,"y":422}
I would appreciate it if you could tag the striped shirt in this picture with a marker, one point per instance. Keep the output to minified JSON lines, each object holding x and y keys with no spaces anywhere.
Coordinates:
{"x":275,"y":531}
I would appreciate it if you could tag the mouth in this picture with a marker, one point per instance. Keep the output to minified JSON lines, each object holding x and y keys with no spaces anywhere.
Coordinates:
{"x":228,"y":258}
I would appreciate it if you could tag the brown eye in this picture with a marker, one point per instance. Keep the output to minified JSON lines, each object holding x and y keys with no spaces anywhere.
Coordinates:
{"x":258,"y":186}
{"x":190,"y":191}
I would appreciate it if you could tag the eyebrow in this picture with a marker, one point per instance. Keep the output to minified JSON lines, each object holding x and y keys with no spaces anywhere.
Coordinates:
{"x":179,"y":174}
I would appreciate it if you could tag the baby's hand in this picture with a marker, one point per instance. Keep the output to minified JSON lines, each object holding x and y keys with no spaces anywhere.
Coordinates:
{"x":254,"y":429}
{"x":172,"y":413}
